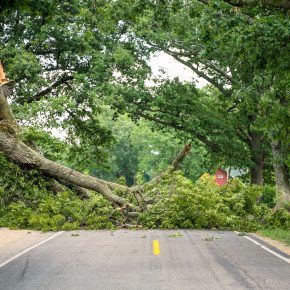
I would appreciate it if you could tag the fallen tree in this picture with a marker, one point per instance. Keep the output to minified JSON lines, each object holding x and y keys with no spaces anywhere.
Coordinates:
{"x":172,"y":201}
{"x":20,"y":153}
{"x":27,"y":202}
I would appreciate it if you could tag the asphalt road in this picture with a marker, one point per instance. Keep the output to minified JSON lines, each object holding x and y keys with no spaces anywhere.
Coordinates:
{"x":146,"y":260}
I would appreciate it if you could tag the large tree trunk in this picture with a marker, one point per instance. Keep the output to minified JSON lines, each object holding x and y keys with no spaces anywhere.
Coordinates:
{"x":257,"y":157}
{"x":21,"y":154}
{"x":281,"y":172}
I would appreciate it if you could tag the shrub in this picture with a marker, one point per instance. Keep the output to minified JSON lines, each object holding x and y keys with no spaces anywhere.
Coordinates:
{"x":180,"y":203}
{"x":269,"y":195}
{"x":26,"y":202}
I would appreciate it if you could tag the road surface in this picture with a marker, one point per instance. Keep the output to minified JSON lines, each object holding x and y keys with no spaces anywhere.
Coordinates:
{"x":181,"y":259}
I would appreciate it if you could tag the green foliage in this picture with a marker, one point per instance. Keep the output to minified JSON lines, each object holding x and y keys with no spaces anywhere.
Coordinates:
{"x":63,"y":211}
{"x":280,"y":219}
{"x":17,"y":184}
{"x":51,"y":147}
{"x":26,"y":201}
{"x":179,"y":203}
{"x":139,"y":152}
{"x":269,"y":196}
{"x":241,"y":52}
{"x":287,"y":206}
{"x":61,"y":56}
{"x":69,"y":57}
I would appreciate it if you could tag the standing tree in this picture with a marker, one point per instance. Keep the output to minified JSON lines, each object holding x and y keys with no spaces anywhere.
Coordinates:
{"x":239,"y":49}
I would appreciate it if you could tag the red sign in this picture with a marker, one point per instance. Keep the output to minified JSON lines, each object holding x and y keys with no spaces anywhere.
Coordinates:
{"x":221,"y":177}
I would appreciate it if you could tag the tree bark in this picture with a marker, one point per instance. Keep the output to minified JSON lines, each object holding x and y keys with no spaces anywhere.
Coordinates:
{"x":7,"y":120}
{"x":281,"y":173}
{"x":257,"y":158}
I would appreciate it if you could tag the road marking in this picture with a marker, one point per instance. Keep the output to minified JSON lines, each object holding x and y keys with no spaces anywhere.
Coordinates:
{"x":29,"y":249}
{"x":287,"y":260}
{"x":156,"y":247}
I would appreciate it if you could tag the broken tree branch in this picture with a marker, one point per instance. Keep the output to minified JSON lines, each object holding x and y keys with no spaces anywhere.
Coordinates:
{"x":19,"y":153}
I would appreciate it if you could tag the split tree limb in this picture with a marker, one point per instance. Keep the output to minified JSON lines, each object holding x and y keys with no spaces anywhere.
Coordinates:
{"x":180,"y":157}
{"x":174,"y":166}
{"x":21,"y":154}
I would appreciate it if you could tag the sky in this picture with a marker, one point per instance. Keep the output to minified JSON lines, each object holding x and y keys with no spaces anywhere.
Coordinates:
{"x":173,"y":69}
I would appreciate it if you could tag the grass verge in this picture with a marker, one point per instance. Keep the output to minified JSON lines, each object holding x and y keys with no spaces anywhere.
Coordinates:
{"x":277,"y":234}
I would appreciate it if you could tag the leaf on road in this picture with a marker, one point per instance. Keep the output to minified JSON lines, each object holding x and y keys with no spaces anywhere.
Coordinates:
{"x":175,"y":235}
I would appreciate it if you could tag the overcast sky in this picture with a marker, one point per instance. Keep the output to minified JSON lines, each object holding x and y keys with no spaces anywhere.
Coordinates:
{"x":173,"y":69}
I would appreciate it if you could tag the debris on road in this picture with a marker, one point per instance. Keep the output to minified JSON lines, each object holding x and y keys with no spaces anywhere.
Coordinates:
{"x":208,"y":239}
{"x":75,"y":235}
{"x":175,"y":235}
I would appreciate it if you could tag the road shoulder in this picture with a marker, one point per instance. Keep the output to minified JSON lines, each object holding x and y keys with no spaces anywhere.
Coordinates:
{"x":272,"y":244}
{"x":13,"y":242}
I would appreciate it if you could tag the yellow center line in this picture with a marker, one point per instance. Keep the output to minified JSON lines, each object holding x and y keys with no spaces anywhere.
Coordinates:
{"x":156,"y":247}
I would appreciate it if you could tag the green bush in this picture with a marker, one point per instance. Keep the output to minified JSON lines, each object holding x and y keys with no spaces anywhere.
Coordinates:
{"x":287,"y":206}
{"x":59,"y":212}
{"x":180,"y":203}
{"x":27,"y":202}
{"x":280,"y":219}
{"x":269,"y":196}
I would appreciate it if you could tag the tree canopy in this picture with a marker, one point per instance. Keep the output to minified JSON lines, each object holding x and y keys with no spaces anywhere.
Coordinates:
{"x":82,"y":69}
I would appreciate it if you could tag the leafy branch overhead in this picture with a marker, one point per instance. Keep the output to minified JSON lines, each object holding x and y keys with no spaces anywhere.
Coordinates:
{"x":84,"y":70}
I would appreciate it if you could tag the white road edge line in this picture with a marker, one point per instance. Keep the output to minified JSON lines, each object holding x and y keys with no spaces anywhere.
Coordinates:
{"x":29,"y":249}
{"x":287,"y":260}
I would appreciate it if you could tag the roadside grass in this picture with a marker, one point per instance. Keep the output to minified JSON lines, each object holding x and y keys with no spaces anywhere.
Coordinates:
{"x":281,"y":235}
